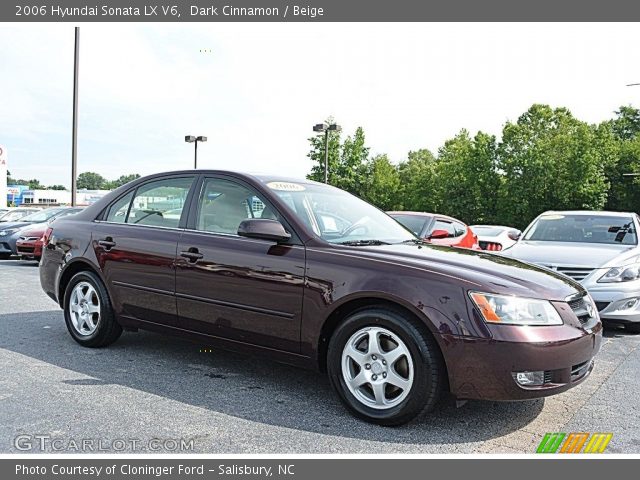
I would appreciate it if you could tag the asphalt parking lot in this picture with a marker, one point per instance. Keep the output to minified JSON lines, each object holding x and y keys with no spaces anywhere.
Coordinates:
{"x":146,"y":392}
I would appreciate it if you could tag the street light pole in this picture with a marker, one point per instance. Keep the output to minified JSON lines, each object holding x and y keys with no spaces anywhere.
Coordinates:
{"x":74,"y":128}
{"x":323,"y":127}
{"x":193,"y":139}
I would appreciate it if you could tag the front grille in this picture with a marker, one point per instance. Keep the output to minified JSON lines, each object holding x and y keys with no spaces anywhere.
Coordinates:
{"x":577,"y":273}
{"x":579,"y":307}
{"x":548,"y":376}
{"x":491,"y":246}
{"x":602,"y":305}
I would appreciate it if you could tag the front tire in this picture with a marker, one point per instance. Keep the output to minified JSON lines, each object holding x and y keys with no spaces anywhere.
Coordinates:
{"x":385,"y":366}
{"x":88,"y":313}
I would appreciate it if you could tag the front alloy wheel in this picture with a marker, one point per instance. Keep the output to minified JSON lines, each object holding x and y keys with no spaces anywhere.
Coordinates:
{"x":377,"y":367}
{"x":385,"y":365}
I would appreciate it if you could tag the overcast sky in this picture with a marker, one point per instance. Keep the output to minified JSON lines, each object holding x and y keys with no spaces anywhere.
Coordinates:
{"x":255,"y":90}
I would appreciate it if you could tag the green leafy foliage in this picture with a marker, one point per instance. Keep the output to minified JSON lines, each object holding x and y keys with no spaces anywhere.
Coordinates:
{"x":546,"y":160}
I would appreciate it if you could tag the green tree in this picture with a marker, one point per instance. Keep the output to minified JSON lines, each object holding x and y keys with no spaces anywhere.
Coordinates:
{"x":122,"y":180}
{"x":316,"y":155}
{"x":57,"y":187}
{"x":418,"y":180}
{"x":626,"y":125}
{"x":467,"y":178}
{"x":551,"y":160}
{"x":350,"y":172}
{"x":91,"y":181}
{"x":382,"y":183}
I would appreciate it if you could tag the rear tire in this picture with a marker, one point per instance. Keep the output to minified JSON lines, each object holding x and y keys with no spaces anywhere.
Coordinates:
{"x":385,"y":367}
{"x":88,"y":312}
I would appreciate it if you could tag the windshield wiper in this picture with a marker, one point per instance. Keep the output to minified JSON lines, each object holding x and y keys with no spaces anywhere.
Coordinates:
{"x":363,"y":243}
{"x":416,"y":241}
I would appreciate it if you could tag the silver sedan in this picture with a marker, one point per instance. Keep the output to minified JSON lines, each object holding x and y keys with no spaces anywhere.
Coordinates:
{"x":598,"y":249}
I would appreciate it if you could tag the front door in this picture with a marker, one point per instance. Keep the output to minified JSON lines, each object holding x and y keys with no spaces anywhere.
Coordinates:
{"x":233,"y":287}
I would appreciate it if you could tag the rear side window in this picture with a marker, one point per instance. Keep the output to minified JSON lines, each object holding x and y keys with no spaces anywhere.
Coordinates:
{"x":459,"y":228}
{"x":160,"y":203}
{"x":118,"y":211}
{"x":411,"y":222}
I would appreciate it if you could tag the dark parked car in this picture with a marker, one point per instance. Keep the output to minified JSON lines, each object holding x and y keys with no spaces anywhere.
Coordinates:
{"x":438,"y":229}
{"x":11,"y":232}
{"x":313,"y":276}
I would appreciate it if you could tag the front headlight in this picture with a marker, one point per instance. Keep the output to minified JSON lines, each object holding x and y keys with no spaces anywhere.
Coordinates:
{"x":627,"y":273}
{"x":509,"y":310}
{"x":8,"y":231}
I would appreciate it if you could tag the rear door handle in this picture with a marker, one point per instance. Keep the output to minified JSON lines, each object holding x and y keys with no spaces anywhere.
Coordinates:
{"x":192,"y":255}
{"x":107,"y":243}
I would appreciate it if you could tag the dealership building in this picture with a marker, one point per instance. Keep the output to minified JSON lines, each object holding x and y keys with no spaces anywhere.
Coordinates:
{"x":21,"y":195}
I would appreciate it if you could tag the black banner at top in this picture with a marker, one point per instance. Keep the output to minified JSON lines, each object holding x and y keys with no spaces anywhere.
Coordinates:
{"x":317,"y":10}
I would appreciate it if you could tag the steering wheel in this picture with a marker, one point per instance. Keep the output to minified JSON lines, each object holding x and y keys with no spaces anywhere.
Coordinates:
{"x":355,"y":227}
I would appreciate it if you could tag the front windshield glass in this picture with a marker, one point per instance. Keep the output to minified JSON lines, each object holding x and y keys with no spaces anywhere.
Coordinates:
{"x":337,"y":216}
{"x":612,"y":230}
{"x":42,"y":216}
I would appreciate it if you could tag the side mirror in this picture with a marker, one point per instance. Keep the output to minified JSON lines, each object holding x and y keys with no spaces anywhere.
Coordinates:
{"x":514,"y":235}
{"x":263,"y":228}
{"x":439,"y":234}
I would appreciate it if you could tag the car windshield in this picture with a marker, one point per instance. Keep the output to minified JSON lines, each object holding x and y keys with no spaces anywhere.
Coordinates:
{"x":487,"y":231}
{"x":339,"y":217}
{"x":612,"y":230}
{"x":13,"y":215}
{"x":43,"y":216}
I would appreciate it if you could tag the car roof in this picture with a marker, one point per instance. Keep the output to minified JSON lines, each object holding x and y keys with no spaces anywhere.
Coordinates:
{"x":424,"y":214}
{"x":595,"y":213}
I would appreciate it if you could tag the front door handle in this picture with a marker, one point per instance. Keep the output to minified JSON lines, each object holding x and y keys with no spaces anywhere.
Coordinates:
{"x":192,"y":254}
{"x":107,"y":243}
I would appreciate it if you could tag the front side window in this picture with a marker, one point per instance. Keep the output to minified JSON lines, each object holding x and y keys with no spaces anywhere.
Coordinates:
{"x":159,"y":203}
{"x":446,"y":226}
{"x":224,"y":204}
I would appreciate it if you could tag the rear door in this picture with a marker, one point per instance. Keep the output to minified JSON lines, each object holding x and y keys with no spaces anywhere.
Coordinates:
{"x":135,"y":245}
{"x":242,"y":289}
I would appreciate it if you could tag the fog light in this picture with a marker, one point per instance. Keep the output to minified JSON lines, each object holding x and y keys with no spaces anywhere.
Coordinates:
{"x":529,"y":378}
{"x":629,"y":304}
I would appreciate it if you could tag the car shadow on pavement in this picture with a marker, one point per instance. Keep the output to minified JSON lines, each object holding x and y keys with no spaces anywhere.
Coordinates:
{"x":246,"y":387}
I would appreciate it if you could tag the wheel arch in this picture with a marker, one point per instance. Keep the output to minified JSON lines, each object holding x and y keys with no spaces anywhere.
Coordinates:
{"x":73,"y":267}
{"x":346,"y":308}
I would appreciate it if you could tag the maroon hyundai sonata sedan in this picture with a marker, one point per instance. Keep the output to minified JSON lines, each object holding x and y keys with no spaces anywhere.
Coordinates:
{"x":311,"y":275}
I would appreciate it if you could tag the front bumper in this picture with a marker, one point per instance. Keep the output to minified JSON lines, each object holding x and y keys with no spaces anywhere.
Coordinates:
{"x":8,"y":243}
{"x":29,"y":248}
{"x":485,"y":367}
{"x":616,"y":302}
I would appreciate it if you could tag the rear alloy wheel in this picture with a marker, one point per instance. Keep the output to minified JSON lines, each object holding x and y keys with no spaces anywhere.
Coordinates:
{"x":88,"y":312}
{"x":385,"y":367}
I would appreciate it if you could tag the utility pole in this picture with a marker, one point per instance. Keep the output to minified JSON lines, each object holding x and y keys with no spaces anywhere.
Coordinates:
{"x":74,"y":134}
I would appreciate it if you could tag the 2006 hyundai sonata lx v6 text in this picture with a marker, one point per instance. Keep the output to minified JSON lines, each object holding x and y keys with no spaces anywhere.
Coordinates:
{"x":316,"y":277}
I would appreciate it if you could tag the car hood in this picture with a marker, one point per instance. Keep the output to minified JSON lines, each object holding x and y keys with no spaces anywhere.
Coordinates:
{"x":477,"y":270}
{"x":573,"y":254}
{"x":11,"y":225}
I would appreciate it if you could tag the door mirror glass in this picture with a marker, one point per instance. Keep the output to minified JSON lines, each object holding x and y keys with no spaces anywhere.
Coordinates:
{"x":439,"y":234}
{"x":264,"y":229}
